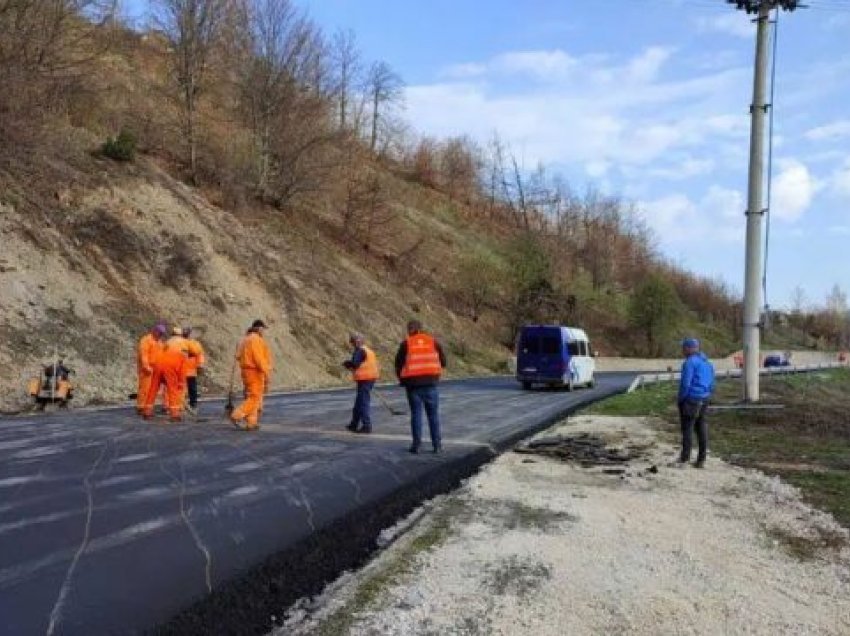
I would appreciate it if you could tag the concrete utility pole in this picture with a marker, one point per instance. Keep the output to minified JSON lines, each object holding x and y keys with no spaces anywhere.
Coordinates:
{"x":755,"y":200}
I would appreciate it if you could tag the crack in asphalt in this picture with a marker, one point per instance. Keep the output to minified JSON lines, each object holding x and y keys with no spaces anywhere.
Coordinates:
{"x":56,"y":612}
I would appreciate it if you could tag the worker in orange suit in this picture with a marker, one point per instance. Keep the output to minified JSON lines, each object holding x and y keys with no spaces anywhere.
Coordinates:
{"x":255,"y":362}
{"x":149,"y":349}
{"x":196,"y":363}
{"x":170,"y":369}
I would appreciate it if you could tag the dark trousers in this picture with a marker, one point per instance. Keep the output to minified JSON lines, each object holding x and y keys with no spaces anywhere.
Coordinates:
{"x":427,"y":398}
{"x":361,"y":413}
{"x":692,"y":414}
{"x":192,"y":389}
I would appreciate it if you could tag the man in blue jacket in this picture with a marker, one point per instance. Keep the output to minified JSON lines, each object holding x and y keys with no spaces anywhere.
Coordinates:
{"x":695,"y":389}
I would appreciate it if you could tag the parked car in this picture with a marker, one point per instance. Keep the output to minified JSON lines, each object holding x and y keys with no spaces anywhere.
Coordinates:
{"x":777,"y":360}
{"x":555,"y":356}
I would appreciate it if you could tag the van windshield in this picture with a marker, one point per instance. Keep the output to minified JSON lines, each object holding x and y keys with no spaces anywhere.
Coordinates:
{"x":573,"y":348}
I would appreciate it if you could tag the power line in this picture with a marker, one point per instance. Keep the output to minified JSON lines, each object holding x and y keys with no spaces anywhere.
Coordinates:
{"x":768,"y":194}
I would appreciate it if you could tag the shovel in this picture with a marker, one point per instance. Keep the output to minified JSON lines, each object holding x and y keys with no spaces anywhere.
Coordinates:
{"x":229,"y":407}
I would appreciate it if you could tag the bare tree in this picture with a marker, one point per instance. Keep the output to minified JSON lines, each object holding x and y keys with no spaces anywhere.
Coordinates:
{"x":346,"y":64}
{"x":276,"y":77}
{"x":46,"y":46}
{"x":192,"y":28}
{"x":384,"y":87}
{"x":798,"y":300}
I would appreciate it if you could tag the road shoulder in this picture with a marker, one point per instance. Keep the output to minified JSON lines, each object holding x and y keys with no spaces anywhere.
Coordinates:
{"x":534,"y":544}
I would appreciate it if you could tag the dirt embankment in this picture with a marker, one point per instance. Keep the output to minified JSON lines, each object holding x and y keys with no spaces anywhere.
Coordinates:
{"x":537,"y":545}
{"x":90,"y":262}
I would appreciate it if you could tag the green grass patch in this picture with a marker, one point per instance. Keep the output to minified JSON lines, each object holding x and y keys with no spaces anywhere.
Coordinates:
{"x":807,"y":442}
{"x":658,"y":400}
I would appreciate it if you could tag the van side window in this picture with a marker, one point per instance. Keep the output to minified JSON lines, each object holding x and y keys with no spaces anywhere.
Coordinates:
{"x":589,"y":350}
{"x":573,"y":348}
{"x":583,"y":348}
{"x":551,"y":346}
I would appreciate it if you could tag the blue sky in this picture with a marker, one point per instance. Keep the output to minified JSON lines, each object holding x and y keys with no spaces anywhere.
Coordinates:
{"x":643,"y":98}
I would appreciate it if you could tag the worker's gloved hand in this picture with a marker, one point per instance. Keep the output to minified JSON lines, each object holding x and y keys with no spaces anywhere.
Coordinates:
{"x":347,"y":364}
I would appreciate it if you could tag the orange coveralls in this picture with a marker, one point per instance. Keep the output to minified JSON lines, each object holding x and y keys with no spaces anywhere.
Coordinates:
{"x":149,"y":350}
{"x":255,"y":363}
{"x":170,"y":367}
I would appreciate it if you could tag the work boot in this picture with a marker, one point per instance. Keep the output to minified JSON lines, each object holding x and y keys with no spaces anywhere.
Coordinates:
{"x":352,"y":428}
{"x":700,"y":463}
{"x":413,"y":449}
{"x":238,"y":424}
{"x":363,"y":430}
{"x":437,"y":450}
{"x":191,"y":410}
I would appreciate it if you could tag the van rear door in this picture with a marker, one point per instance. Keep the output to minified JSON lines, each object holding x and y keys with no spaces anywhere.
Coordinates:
{"x":541,"y":353}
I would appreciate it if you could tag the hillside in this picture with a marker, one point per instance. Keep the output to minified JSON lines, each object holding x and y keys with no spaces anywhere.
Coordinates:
{"x":276,"y":192}
{"x":93,"y":257}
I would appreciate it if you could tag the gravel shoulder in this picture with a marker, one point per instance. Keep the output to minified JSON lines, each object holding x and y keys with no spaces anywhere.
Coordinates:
{"x":538,"y":545}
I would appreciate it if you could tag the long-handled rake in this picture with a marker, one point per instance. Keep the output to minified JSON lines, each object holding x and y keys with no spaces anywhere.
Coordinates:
{"x":389,"y":407}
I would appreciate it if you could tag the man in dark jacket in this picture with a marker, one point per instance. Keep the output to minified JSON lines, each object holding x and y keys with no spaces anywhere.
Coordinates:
{"x":365,"y":372}
{"x":419,"y":363}
{"x":695,"y":388}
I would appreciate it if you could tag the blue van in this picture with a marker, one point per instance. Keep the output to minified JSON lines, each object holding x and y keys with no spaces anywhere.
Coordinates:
{"x":555,"y":356}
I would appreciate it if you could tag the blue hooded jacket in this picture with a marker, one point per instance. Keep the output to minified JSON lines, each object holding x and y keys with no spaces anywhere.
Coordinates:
{"x":697,"y":381}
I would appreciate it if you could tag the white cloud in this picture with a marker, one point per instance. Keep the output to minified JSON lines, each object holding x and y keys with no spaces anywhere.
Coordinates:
{"x":724,"y":202}
{"x":597,"y":169}
{"x":793,"y":190}
{"x":464,"y":71}
{"x":685,"y":169}
{"x":830,"y":132}
{"x":546,"y":65}
{"x":591,"y":110}
{"x":734,"y":23}
{"x":646,"y":66}
{"x":840,"y":180}
{"x":677,"y":218}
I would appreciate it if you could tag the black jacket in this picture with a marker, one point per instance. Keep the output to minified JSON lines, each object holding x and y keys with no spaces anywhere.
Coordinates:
{"x":422,"y":380}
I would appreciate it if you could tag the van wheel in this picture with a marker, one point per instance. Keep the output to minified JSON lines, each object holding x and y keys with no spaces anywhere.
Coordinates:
{"x":591,"y":384}
{"x":526,"y":386}
{"x":569,"y":386}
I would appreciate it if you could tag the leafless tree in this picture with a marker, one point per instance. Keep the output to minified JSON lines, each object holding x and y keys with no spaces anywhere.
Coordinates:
{"x":275,"y":75}
{"x":44,"y":47}
{"x":384,"y":87}
{"x":798,"y":300}
{"x":347,"y":67}
{"x":192,"y":28}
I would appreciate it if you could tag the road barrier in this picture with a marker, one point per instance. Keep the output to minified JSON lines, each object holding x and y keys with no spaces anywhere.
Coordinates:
{"x":646,"y":379}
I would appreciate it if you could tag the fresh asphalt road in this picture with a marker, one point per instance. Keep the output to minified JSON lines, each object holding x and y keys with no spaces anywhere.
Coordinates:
{"x":109,"y":524}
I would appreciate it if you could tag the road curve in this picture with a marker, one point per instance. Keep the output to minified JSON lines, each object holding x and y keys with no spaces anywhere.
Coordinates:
{"x":113,"y":525}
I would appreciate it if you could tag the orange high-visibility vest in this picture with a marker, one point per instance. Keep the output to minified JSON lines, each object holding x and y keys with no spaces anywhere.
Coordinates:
{"x":368,"y":371}
{"x":422,"y":357}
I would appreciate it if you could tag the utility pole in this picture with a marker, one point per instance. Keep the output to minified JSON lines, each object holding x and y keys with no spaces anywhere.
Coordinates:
{"x":755,"y":200}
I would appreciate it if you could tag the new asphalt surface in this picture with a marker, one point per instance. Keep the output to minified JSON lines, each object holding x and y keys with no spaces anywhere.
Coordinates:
{"x":109,"y":524}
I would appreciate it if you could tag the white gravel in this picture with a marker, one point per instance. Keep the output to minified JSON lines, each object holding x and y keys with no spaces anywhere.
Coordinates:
{"x":537,"y":546}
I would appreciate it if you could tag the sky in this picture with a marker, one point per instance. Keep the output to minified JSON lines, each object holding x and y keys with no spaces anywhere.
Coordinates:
{"x":645,"y":99}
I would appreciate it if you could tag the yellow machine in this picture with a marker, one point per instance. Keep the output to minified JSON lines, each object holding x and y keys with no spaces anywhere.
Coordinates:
{"x":53,"y":387}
